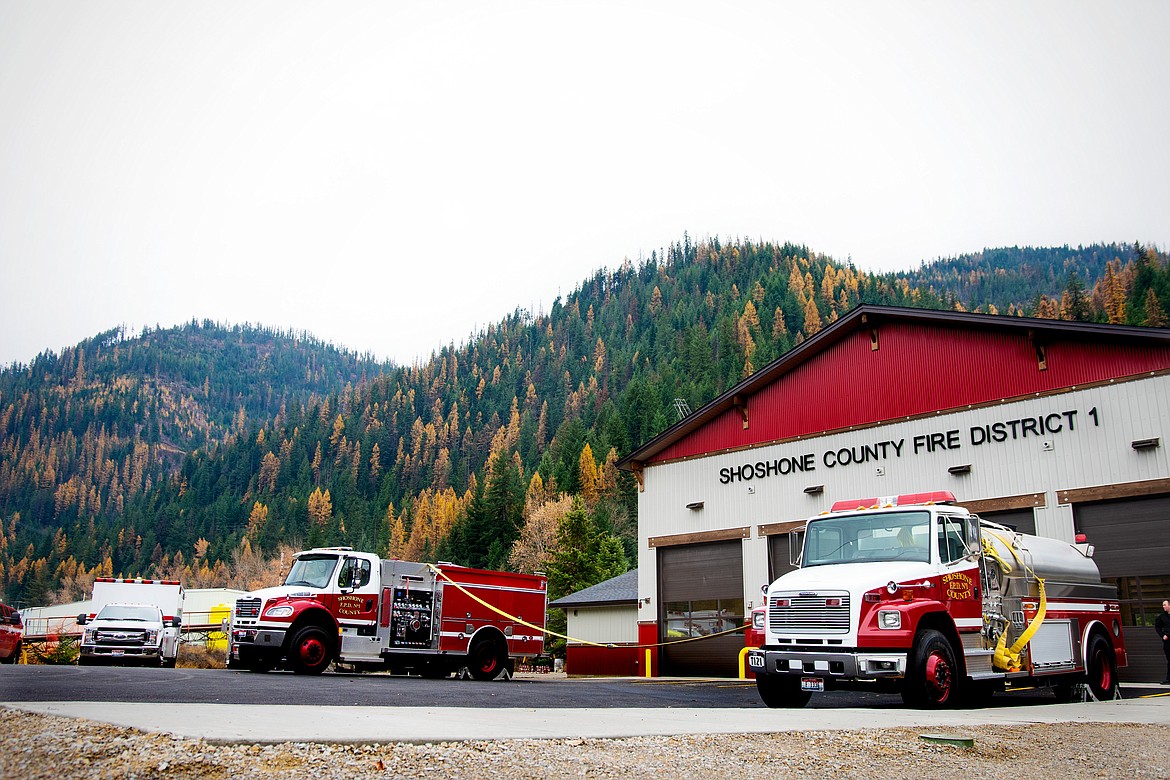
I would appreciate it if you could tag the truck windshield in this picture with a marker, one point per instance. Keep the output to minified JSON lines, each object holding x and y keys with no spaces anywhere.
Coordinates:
{"x":890,"y":536}
{"x":314,"y":571}
{"x":128,"y":612}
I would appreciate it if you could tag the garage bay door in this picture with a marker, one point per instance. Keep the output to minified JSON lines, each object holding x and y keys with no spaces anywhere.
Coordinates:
{"x":1132,"y":541}
{"x":700,"y":590}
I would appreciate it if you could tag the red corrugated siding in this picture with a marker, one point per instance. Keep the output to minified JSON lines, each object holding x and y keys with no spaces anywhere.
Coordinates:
{"x":617,"y":661}
{"x":918,"y":369}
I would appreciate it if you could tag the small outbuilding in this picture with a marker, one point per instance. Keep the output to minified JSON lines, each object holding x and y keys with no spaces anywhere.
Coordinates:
{"x":603,"y":623}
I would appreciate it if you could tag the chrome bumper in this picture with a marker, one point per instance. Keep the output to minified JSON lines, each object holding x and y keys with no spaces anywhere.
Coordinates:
{"x":844,"y":665}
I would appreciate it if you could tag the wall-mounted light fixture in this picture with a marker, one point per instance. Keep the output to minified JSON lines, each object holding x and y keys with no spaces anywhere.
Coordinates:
{"x":1146,"y":444}
{"x":814,"y":490}
{"x":695,"y":506}
{"x":963,"y":469}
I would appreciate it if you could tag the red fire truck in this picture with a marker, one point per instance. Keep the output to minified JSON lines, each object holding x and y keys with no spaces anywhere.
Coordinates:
{"x":355,"y":608}
{"x":914,"y":594}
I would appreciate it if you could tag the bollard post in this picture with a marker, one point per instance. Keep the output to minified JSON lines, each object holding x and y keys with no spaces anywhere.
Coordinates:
{"x":743,"y":662}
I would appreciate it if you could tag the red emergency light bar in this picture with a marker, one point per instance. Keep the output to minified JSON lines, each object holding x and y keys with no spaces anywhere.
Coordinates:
{"x":141,"y":582}
{"x":906,"y":499}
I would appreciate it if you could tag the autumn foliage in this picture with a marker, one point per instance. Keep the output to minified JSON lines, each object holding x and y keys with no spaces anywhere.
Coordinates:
{"x":205,"y":451}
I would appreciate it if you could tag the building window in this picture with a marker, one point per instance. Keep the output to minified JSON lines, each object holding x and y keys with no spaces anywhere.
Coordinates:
{"x":688,"y":619}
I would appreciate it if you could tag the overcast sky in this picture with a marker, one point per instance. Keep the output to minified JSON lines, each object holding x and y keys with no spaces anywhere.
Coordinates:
{"x":390,"y":176}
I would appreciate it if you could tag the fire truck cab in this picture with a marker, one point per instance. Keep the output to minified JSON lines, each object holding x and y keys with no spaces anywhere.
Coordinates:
{"x":340,"y":605}
{"x":914,"y":594}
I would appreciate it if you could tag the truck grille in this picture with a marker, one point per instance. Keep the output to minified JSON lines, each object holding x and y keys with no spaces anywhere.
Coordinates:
{"x":827,"y":612}
{"x":120,"y":637}
{"x":248,"y":608}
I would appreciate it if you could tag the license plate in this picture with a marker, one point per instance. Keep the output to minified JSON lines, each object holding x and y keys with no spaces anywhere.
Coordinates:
{"x":812,"y":684}
{"x":117,"y":652}
{"x":756,"y":661}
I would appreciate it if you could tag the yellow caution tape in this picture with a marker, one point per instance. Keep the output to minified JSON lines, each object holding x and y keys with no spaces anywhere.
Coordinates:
{"x":439,"y":572}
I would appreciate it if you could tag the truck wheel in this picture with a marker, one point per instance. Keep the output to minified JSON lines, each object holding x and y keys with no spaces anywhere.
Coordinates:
{"x":14,"y":657}
{"x":781,"y":691}
{"x":932,"y":679}
{"x":486,"y":659}
{"x":1101,"y":668}
{"x":311,"y":651}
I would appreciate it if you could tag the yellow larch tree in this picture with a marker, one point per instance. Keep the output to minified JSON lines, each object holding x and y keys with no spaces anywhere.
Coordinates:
{"x":269,"y":471}
{"x":587,"y":469}
{"x":257,"y":519}
{"x":812,"y":317}
{"x":320,"y":507}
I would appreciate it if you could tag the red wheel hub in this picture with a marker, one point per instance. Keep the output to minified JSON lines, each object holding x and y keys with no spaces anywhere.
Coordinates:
{"x":312,"y":651}
{"x":938,"y":676}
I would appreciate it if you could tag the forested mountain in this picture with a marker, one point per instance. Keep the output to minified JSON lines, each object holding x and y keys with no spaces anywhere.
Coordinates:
{"x":187,"y":452}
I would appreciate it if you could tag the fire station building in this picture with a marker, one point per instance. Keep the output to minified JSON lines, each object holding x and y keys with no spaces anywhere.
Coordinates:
{"x":1055,"y":428}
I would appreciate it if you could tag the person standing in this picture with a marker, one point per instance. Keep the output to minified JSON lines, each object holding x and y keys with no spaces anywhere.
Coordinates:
{"x":1162,"y":626}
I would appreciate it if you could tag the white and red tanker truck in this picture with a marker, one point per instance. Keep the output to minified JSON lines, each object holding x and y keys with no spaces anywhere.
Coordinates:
{"x":914,"y":594}
{"x":353,"y":607}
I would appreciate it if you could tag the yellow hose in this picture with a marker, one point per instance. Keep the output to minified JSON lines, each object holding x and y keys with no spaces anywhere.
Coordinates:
{"x":1008,"y":658}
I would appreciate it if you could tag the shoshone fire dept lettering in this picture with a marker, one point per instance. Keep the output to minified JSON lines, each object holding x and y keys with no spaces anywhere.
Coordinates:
{"x":959,"y":586}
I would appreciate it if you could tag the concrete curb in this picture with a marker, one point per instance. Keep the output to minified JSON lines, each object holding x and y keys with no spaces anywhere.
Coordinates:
{"x":231,"y":723}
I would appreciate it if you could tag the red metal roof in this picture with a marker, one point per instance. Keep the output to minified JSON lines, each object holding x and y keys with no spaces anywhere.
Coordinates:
{"x":924,"y":362}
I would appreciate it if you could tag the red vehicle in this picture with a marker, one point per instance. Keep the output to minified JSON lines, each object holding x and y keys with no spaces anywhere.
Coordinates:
{"x":11,"y":634}
{"x":354,"y":608}
{"x":917,"y":595}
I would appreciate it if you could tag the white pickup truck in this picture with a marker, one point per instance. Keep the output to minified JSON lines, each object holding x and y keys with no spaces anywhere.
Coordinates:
{"x":134,"y":621}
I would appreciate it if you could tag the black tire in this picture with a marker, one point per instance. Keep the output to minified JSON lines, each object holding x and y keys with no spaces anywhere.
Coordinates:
{"x":933,"y":679}
{"x":486,"y":659}
{"x":169,"y":663}
{"x":1101,"y":668}
{"x":781,"y":691}
{"x":14,"y":657}
{"x":83,"y":660}
{"x":311,"y":651}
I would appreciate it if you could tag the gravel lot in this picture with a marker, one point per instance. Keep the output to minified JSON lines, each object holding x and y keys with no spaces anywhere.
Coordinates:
{"x":40,"y":746}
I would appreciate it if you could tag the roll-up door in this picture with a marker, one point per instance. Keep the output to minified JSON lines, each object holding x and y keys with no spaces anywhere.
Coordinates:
{"x":1131,"y":538}
{"x":701,"y":594}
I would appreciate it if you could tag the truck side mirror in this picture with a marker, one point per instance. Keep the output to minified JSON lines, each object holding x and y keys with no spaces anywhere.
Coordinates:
{"x":349,"y":574}
{"x":81,"y":619}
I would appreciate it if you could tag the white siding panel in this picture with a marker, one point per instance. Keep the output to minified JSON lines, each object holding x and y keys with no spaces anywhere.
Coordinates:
{"x":604,"y":624}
